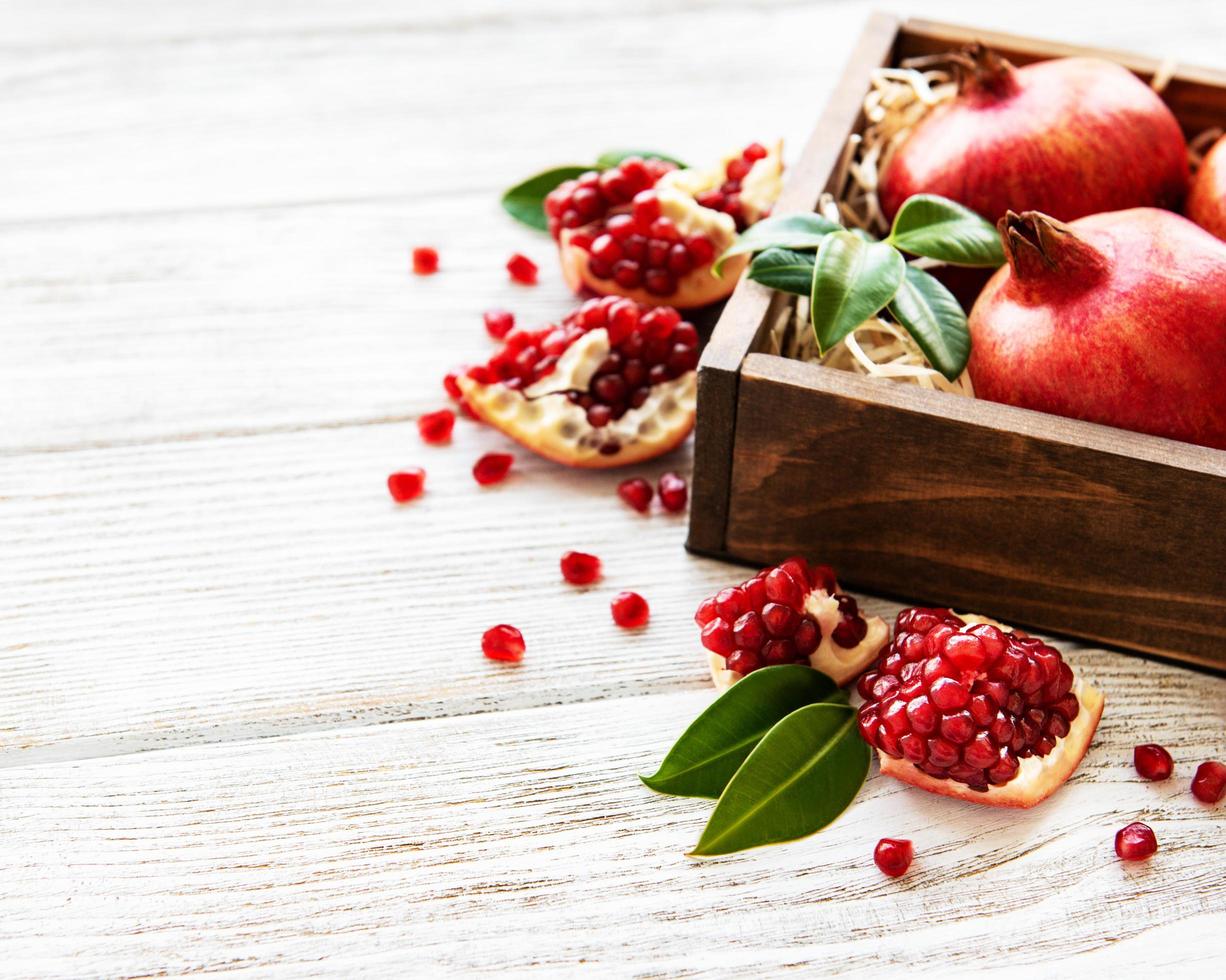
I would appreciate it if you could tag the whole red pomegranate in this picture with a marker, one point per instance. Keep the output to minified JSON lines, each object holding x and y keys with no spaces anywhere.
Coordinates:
{"x":1207,"y":198}
{"x":1117,"y":318}
{"x":1068,"y":137}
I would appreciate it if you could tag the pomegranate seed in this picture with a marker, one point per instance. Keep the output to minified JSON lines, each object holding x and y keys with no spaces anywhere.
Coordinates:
{"x":1136,"y":842}
{"x":636,"y":492}
{"x":718,"y":637}
{"x":673,"y":492}
{"x":503,"y":642}
{"x":492,"y":468}
{"x":435,"y":427}
{"x":892,"y":856}
{"x":1152,"y":761}
{"x":498,"y":323}
{"x":1209,"y":783}
{"x":425,"y":261}
{"x":630,"y":610}
{"x":407,"y":484}
{"x":620,"y":226}
{"x":754,"y":152}
{"x":646,"y":208}
{"x":737,"y":169}
{"x":579,"y":568}
{"x":700,"y":249}
{"x":522,"y":269}
{"x":451,"y":386}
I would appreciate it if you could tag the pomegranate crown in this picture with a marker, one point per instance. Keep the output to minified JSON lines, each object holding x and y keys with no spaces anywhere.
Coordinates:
{"x":978,"y":70}
{"x":1037,"y":245}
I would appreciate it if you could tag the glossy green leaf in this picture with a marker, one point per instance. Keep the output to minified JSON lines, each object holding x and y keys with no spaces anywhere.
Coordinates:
{"x":794,"y":231}
{"x":717,"y":742}
{"x":783,"y":269}
{"x":801,"y":776}
{"x":852,"y":281}
{"x":525,"y":201}
{"x":611,"y":158}
{"x":938,"y":228}
{"x":933,"y":316}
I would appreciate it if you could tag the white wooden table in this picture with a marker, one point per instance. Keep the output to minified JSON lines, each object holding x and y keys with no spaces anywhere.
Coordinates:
{"x":246,"y":724}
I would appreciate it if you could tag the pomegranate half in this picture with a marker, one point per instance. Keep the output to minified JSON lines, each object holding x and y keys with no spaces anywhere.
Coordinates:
{"x":651,"y":232}
{"x":1069,"y":137}
{"x":1116,"y":318}
{"x":791,"y":613}
{"x":965,"y":707}
{"x":613,"y":384}
{"x":1207,"y":197}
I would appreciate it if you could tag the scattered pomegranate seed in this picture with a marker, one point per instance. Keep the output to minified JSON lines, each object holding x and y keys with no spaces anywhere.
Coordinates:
{"x":1209,"y":783}
{"x":1136,"y":842}
{"x":425,"y":261}
{"x":630,"y":610}
{"x":492,"y":468}
{"x":522,"y":269}
{"x":407,"y":484}
{"x":636,"y":492}
{"x":451,"y":386}
{"x":579,"y":568}
{"x":1152,"y":761}
{"x":503,"y":642}
{"x":892,"y":856}
{"x":435,"y":427}
{"x":673,"y":493}
{"x":498,"y":323}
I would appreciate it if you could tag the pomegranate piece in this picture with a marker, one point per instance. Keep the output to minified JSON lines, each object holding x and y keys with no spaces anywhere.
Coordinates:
{"x":611,"y":385}
{"x":636,"y":492}
{"x":498,"y":323}
{"x":1136,"y":842}
{"x":522,"y":269}
{"x":791,"y":613}
{"x":630,"y":610}
{"x":1152,"y":761}
{"x":425,"y":261}
{"x":492,"y":468}
{"x":579,"y":568}
{"x":892,"y":856}
{"x":407,"y":484}
{"x":435,"y":427}
{"x":673,"y":492}
{"x":1209,"y":783}
{"x":967,"y":708}
{"x":503,"y":642}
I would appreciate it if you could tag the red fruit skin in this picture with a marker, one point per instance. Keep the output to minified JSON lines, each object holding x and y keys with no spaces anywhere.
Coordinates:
{"x":1058,"y":136}
{"x":1209,"y":783}
{"x":1207,"y":196}
{"x":1116,"y":318}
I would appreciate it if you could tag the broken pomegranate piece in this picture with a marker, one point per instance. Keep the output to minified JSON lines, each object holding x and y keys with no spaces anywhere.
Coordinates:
{"x":613,"y":384}
{"x":789,"y":614}
{"x":964,"y":707}
{"x":648,"y":231}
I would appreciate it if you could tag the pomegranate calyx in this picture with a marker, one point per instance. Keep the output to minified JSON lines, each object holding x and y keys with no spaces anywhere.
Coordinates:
{"x":982,"y":70}
{"x":1038,"y":246}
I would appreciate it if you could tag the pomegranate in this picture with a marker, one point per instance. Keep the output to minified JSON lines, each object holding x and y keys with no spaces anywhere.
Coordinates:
{"x":791,"y":613}
{"x":1069,"y":137}
{"x":1209,"y":783}
{"x":503,"y":642}
{"x":406,"y":485}
{"x":580,"y":568}
{"x":1152,"y":761}
{"x":629,"y":610}
{"x":636,"y":492}
{"x":425,"y":261}
{"x":651,"y":232}
{"x":522,"y":270}
{"x":1116,"y":318}
{"x":892,"y":856}
{"x":964,"y":707}
{"x":1207,"y":197}
{"x":613,"y":384}
{"x":1136,"y":842}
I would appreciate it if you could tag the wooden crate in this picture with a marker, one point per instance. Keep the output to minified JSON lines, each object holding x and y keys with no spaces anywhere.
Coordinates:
{"x":1037,"y":520}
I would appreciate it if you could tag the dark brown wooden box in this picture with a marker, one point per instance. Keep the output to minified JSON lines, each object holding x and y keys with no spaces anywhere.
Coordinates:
{"x":1037,"y":520}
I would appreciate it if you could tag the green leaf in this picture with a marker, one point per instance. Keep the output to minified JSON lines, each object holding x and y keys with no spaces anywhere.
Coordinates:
{"x":794,"y":231}
{"x":611,"y":158}
{"x":782,"y":268}
{"x":852,"y":280}
{"x":525,"y":201}
{"x":802,"y":775}
{"x":933,"y":316}
{"x":717,"y":742}
{"x":938,"y":228}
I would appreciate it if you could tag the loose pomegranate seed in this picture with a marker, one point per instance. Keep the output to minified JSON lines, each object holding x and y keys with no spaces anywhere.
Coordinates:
{"x":892,"y":856}
{"x":407,"y":484}
{"x":1136,"y":842}
{"x":1209,"y":783}
{"x":522,"y":269}
{"x":630,"y":610}
{"x":636,"y":492}
{"x":425,"y":261}
{"x":492,"y":468}
{"x":451,"y":386}
{"x":435,"y":427}
{"x":1152,"y":761}
{"x":673,"y":492}
{"x":503,"y":642}
{"x":579,"y":568}
{"x":498,"y":323}
{"x":754,"y":152}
